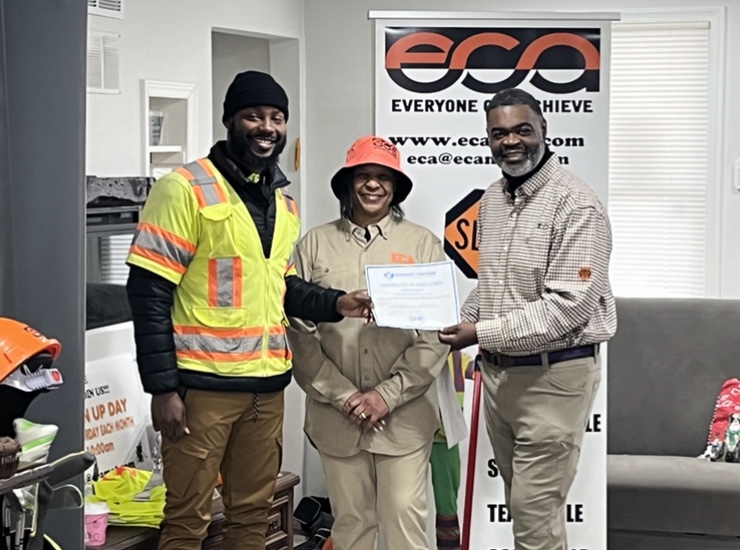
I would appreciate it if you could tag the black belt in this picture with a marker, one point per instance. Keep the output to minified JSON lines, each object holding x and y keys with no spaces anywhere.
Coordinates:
{"x":506,"y":361}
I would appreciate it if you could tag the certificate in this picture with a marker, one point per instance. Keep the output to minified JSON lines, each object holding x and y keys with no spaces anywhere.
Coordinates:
{"x":414,"y":296}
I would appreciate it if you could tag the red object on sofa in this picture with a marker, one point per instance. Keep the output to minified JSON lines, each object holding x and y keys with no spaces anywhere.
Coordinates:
{"x":728,"y":403}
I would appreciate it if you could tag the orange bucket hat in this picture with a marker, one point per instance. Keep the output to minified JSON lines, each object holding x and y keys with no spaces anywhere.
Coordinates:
{"x":19,"y":343}
{"x":373,"y":150}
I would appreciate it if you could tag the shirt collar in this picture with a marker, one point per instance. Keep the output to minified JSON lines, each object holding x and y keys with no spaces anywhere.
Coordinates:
{"x":382,"y":228}
{"x":535,"y":181}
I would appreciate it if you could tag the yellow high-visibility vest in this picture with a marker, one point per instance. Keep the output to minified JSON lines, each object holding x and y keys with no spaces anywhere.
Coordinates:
{"x":228,"y":311}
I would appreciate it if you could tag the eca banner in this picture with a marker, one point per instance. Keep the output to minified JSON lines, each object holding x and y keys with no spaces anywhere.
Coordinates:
{"x":433,"y":74}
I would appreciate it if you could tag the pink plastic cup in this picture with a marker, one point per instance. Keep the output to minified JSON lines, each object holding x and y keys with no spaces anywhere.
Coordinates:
{"x":96,"y":523}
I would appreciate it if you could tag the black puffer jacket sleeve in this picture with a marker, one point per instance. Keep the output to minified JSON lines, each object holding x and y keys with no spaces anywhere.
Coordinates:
{"x":150,"y":297}
{"x":311,"y":302}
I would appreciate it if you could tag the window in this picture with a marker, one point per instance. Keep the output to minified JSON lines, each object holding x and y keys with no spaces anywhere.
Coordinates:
{"x":661,"y":200}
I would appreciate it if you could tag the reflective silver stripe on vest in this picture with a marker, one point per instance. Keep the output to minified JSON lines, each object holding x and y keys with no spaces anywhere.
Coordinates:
{"x":157,"y":244}
{"x":206,"y":183}
{"x":225,"y":282}
{"x":277,"y":342}
{"x":211,"y":344}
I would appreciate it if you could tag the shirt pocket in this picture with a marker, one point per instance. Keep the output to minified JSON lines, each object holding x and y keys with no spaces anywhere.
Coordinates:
{"x":218,"y":230}
{"x":231,"y":339}
{"x":337,"y":277}
{"x":221,"y":317}
{"x":532,"y":258}
{"x":537,"y":241}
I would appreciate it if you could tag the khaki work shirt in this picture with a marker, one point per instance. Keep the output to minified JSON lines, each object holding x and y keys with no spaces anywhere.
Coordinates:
{"x":332,"y":361}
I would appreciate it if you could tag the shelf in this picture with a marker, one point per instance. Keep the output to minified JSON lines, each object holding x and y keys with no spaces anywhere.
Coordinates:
{"x":169,"y":121}
{"x":165,"y":148}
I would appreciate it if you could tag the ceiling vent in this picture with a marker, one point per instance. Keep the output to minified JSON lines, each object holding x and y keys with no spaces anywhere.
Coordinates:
{"x":106,"y":8}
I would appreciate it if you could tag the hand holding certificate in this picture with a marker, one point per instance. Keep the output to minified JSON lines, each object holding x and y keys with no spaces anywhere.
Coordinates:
{"x":414,"y":296}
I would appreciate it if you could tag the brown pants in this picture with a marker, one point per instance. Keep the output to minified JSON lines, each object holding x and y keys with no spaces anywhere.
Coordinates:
{"x":536,"y":418}
{"x":235,"y":433}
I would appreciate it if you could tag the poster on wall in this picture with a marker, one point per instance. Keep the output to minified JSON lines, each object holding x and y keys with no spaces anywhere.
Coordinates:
{"x":118,"y":427}
{"x":433,"y":74}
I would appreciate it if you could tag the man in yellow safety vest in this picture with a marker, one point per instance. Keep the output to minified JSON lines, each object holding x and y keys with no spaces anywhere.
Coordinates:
{"x":210,"y":288}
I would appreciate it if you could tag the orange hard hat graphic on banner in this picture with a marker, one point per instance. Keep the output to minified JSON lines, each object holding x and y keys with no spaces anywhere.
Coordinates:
{"x":461,"y":233}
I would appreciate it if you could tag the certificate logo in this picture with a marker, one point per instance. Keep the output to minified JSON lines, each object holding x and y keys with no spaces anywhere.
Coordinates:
{"x":388,"y":274}
{"x":416,"y":318}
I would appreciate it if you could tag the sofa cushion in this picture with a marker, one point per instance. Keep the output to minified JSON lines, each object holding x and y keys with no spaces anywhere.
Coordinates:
{"x":673,"y":495}
{"x":667,"y":363}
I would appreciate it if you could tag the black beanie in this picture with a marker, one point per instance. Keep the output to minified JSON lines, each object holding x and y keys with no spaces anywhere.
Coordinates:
{"x":254,"y":89}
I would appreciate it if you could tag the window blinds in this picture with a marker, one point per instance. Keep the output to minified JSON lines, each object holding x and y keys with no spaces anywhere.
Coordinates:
{"x":658,"y":158}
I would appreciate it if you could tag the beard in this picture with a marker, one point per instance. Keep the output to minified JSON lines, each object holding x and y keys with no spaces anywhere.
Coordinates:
{"x":240,"y":145}
{"x":533,"y":157}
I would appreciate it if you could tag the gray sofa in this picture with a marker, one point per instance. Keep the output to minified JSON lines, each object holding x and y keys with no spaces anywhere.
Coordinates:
{"x":666,"y":366}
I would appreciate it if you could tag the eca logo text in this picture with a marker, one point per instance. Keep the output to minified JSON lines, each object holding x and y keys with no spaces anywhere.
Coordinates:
{"x":505,"y":57}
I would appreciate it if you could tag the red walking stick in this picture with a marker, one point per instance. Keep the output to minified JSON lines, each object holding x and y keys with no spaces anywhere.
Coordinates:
{"x":472,"y":450}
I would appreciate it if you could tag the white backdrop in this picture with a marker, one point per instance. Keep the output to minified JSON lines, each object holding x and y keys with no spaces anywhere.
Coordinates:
{"x":433,"y":73}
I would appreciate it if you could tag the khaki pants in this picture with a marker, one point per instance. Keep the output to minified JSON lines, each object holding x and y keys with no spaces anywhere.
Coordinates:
{"x":240,"y":435}
{"x":372,"y":492}
{"x":536,"y":418}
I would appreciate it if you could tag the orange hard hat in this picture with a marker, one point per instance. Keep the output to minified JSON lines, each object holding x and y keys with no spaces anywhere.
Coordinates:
{"x":19,"y":343}
{"x":373,"y":150}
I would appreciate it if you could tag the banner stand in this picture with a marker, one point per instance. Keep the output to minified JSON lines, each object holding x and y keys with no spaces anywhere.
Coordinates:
{"x":472,"y":453}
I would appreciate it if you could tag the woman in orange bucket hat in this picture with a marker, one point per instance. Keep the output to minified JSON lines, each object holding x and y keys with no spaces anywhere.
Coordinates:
{"x":371,"y":408}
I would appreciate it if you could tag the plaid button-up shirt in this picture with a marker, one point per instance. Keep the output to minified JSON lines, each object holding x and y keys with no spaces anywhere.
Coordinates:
{"x":543,"y":279}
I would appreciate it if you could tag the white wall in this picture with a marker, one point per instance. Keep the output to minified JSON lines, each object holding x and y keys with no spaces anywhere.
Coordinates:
{"x":286,"y":66}
{"x":231,"y":55}
{"x":170,"y":40}
{"x":339,"y":95}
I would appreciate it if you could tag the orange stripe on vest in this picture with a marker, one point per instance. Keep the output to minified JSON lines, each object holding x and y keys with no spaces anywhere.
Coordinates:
{"x":226,"y":332}
{"x":158,"y":259}
{"x":167,"y":236}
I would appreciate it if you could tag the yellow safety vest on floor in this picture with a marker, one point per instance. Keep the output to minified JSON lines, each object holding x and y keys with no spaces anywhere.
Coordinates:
{"x":228,"y":306}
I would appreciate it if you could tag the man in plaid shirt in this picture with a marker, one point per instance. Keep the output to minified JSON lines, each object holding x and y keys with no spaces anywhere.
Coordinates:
{"x":542,"y":306}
